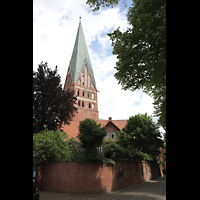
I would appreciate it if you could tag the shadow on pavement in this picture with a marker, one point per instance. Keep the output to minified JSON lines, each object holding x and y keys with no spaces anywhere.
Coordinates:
{"x":151,"y":190}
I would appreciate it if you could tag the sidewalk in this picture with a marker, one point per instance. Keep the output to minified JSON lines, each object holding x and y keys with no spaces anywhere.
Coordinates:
{"x":151,"y":190}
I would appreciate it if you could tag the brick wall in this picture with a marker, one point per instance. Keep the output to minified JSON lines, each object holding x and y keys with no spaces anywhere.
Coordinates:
{"x":73,"y":178}
{"x":83,"y":113}
{"x":130,"y":172}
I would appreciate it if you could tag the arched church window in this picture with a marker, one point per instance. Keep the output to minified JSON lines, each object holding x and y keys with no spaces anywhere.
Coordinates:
{"x":88,"y":80}
{"x":92,"y":95}
{"x":83,"y":93}
{"x":88,"y":95}
{"x":79,"y":103}
{"x":83,"y":104}
{"x":77,"y":92}
{"x":93,"y":106}
{"x":89,"y":105}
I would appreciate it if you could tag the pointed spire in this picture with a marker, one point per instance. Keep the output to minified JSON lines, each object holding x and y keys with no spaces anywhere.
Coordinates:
{"x":80,"y":57}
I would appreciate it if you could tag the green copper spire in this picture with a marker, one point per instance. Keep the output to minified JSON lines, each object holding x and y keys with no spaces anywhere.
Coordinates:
{"x":80,"y":57}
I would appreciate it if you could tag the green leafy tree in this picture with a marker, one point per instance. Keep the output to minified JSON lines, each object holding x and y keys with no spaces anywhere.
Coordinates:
{"x":91,"y":136}
{"x":103,"y":3}
{"x":160,"y":106}
{"x":51,"y":146}
{"x":164,"y":146}
{"x":77,"y":151}
{"x":141,"y":50}
{"x":52,"y":106}
{"x":141,"y":134}
{"x":113,"y":150}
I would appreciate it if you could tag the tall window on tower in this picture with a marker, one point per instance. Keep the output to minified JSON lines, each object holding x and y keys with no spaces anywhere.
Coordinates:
{"x":77,"y":92}
{"x":82,"y":78}
{"x":83,"y":93}
{"x":92,"y":95}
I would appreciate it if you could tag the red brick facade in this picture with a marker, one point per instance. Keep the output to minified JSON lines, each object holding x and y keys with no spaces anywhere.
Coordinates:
{"x":80,"y":78}
{"x":112,"y":126}
{"x":87,"y":102}
{"x":87,"y":178}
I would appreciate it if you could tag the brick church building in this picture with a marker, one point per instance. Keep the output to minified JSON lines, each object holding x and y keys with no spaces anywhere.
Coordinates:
{"x":80,"y":78}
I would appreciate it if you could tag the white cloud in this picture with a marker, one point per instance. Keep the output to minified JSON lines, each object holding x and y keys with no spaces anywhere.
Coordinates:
{"x":55,"y":27}
{"x":55,"y":24}
{"x":119,"y":104}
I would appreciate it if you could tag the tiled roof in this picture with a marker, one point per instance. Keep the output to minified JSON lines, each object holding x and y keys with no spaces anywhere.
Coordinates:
{"x":119,"y":123}
{"x":72,"y":129}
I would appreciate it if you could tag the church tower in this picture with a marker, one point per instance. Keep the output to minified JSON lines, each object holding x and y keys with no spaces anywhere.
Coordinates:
{"x":80,"y":77}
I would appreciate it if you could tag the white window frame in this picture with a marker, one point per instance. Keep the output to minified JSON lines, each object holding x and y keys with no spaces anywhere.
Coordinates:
{"x":108,"y":135}
{"x":113,"y":135}
{"x":99,"y":149}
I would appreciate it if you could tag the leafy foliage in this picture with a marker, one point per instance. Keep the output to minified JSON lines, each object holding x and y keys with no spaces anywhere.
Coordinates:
{"x":76,"y":150}
{"x":141,"y":50}
{"x":141,"y":134}
{"x":51,"y":146}
{"x":164,"y":146}
{"x":160,"y":106}
{"x":113,"y":150}
{"x":139,"y":140}
{"x":109,"y":161}
{"x":52,"y":106}
{"x":91,"y":136}
{"x":104,"y":3}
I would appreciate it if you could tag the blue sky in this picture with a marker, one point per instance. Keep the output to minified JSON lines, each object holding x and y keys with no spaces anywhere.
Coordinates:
{"x":55,"y":24}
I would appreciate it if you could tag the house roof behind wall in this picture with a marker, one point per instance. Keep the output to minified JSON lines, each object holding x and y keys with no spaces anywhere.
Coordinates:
{"x":120,"y":124}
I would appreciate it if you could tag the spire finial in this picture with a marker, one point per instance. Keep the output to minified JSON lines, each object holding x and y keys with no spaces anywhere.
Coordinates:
{"x":80,"y":19}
